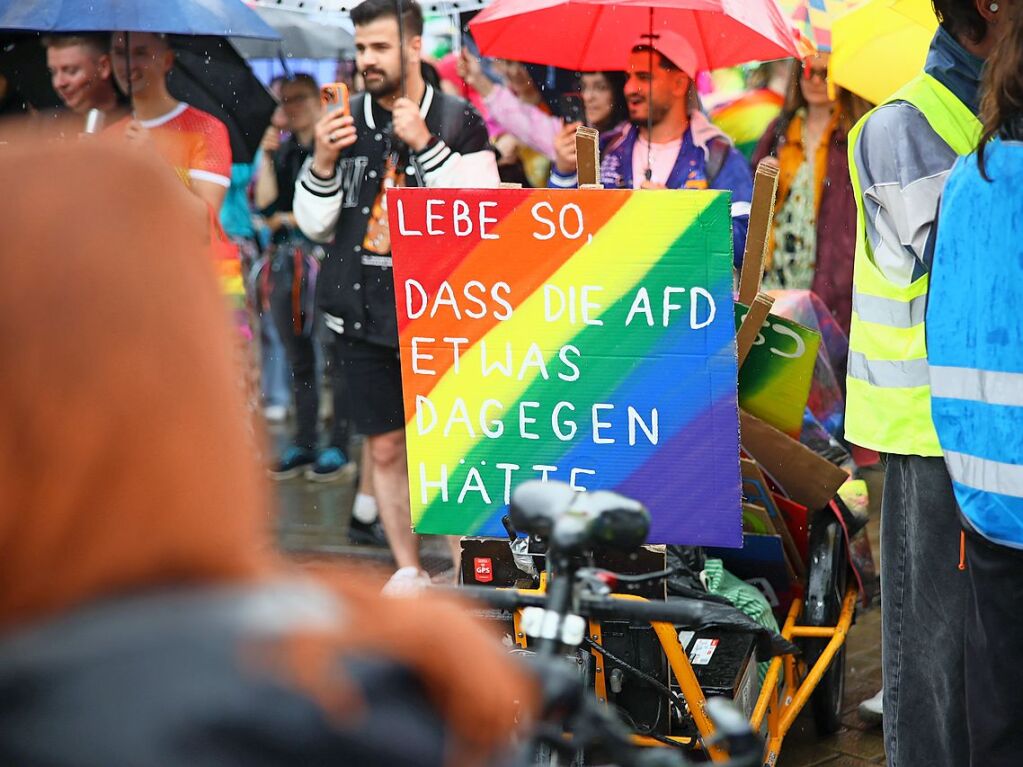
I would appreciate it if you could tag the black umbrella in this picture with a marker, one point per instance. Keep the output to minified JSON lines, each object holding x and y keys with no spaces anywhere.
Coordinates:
{"x":209,"y":74}
{"x":23,"y":63}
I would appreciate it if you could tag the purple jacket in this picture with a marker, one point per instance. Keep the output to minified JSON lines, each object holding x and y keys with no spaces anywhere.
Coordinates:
{"x":700,"y":142}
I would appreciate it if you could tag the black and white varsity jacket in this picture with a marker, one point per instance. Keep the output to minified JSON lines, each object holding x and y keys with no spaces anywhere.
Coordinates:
{"x":355,"y":290}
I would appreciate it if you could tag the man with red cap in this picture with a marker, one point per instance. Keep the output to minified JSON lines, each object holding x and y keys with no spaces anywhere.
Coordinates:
{"x":671,"y":144}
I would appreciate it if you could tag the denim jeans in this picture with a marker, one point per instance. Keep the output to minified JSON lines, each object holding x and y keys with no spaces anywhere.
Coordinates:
{"x":276,"y":374}
{"x":924,"y":597}
{"x":299,"y":326}
{"x":305,"y":356}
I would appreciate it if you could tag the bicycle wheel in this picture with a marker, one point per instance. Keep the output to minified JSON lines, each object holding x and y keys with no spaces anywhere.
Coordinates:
{"x":828,"y":576}
{"x":548,"y":757}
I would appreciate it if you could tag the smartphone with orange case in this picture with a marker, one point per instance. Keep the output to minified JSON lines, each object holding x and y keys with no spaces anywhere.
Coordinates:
{"x":334,"y":97}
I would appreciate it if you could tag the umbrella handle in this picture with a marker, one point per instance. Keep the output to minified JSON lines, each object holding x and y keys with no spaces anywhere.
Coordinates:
{"x":284,"y":62}
{"x":649,"y":172}
{"x":401,"y":45}
{"x":127,"y":71}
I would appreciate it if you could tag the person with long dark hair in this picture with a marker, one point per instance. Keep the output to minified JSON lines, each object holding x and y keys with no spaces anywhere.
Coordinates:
{"x":814,"y":235}
{"x":603,"y":97}
{"x":975,"y":355}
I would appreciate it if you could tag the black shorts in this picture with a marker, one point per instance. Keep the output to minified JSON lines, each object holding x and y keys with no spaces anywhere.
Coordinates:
{"x":372,"y":375}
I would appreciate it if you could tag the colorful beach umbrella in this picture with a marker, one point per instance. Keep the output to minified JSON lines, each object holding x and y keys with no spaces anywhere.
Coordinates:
{"x":881,"y":45}
{"x":592,"y":35}
{"x":815,"y":18}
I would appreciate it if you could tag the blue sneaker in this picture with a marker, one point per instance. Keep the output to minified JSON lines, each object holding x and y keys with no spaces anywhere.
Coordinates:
{"x":293,"y":461}
{"x":330,"y":465}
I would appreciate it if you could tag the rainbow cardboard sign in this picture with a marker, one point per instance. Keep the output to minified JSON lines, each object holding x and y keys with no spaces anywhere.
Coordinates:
{"x":583,"y":336}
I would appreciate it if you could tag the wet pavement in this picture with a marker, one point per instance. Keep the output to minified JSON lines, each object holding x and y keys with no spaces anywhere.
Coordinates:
{"x":856,"y":744}
{"x":313,"y":520}
{"x":313,"y":523}
{"x":314,"y":517}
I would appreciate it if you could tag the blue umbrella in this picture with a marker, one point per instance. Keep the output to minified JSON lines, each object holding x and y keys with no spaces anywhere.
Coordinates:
{"x":216,"y":68}
{"x":208,"y":73}
{"x":230,"y":18}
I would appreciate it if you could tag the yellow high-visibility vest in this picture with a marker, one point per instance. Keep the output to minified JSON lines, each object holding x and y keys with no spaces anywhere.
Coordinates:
{"x":888,"y":402}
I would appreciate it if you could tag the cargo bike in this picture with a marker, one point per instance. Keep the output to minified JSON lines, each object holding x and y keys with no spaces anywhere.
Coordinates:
{"x":580,"y":585}
{"x":576,"y":581}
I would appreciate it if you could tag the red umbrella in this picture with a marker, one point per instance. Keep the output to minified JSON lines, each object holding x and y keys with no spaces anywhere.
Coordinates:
{"x":590,"y":35}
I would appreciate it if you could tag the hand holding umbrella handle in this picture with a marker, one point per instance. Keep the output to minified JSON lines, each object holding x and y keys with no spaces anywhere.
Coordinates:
{"x":409,"y":126}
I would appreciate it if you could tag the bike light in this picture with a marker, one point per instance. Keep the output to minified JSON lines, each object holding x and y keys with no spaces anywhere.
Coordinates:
{"x":538,"y":623}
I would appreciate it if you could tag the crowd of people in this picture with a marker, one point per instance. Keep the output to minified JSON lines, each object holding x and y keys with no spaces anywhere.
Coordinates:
{"x":861,"y":223}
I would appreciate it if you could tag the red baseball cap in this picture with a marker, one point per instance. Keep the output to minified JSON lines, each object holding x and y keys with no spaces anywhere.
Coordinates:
{"x":674,"y":48}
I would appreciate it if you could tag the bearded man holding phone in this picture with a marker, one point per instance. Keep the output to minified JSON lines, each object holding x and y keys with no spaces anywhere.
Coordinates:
{"x":400,"y":132}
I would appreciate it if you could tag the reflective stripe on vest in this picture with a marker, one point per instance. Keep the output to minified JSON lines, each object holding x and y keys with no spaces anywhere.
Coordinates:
{"x":982,"y":474}
{"x":889,"y":311}
{"x":993,"y":387}
{"x":888,"y":396}
{"x":888,"y":374}
{"x":976,"y":390}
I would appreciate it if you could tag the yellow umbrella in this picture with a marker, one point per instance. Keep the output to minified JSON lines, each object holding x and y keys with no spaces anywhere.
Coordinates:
{"x":880,"y":46}
{"x":920,"y":12}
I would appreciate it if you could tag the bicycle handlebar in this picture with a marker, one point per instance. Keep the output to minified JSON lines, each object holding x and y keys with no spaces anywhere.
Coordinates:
{"x":571,"y":521}
{"x":605,"y":608}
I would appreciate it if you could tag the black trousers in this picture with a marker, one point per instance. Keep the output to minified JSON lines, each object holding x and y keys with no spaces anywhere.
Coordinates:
{"x":994,"y":653}
{"x":301,"y":350}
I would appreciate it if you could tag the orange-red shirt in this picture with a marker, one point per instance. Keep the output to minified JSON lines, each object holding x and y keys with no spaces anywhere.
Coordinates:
{"x":196,"y":144}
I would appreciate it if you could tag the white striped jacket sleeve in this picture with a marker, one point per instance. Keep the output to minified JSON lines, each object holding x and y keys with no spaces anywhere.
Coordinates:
{"x":442,"y":167}
{"x":317,"y":203}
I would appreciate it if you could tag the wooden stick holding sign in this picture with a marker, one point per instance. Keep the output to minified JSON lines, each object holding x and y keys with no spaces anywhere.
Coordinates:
{"x":587,"y":152}
{"x":751,"y":325}
{"x":761,"y":217}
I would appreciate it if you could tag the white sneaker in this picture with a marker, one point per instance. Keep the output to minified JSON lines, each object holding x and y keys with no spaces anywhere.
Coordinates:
{"x":406,"y":582}
{"x":275,"y":413}
{"x":364,"y":508}
{"x":872,"y":709}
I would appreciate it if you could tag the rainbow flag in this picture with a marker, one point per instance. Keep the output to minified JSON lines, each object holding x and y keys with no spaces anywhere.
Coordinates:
{"x":584,"y":336}
{"x":746,"y":118}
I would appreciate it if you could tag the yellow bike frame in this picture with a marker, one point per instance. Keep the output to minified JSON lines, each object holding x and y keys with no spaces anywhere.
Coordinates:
{"x":780,"y":703}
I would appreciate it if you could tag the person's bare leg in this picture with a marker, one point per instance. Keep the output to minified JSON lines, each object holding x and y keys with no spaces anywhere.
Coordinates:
{"x":364,"y":505}
{"x":366,"y":470}
{"x":455,"y":544}
{"x":390,"y":481}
